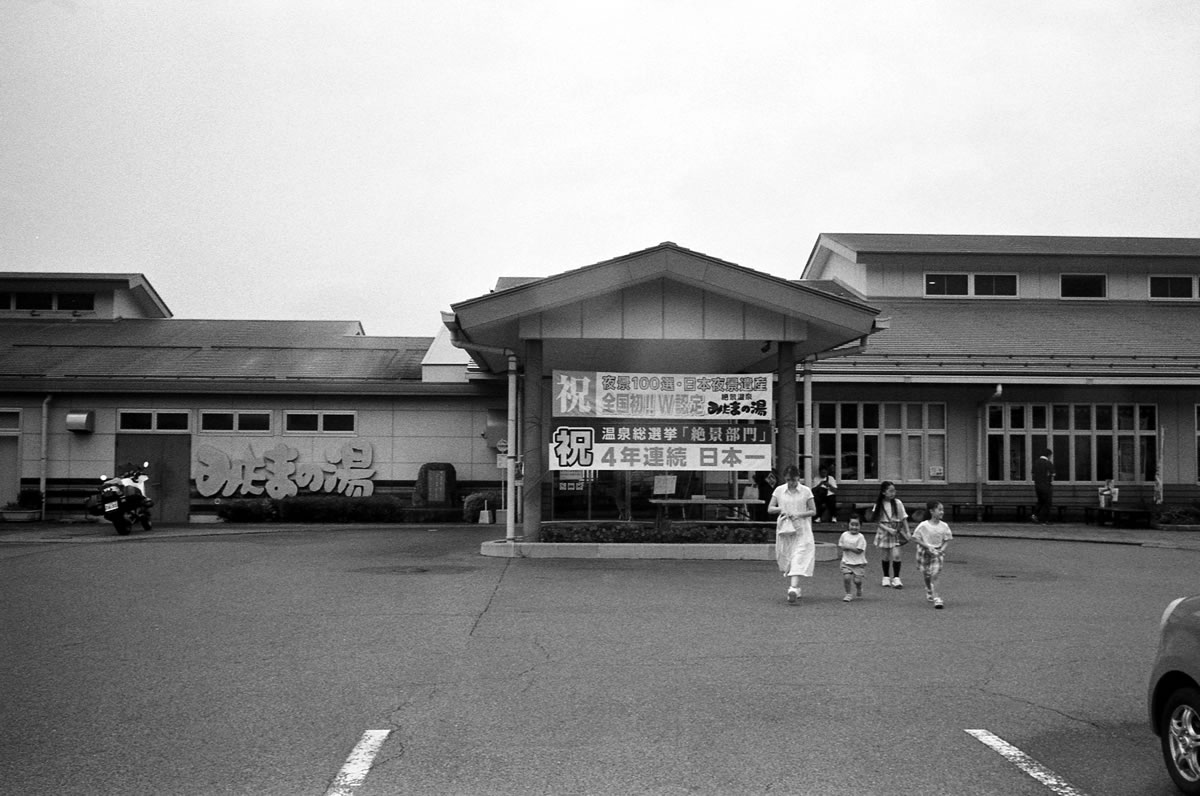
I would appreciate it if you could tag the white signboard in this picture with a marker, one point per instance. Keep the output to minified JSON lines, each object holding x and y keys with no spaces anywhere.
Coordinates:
{"x":662,"y":396}
{"x":660,"y":446}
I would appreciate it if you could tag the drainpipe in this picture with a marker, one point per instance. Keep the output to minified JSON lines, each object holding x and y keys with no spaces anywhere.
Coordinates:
{"x":458,"y":340}
{"x":981,"y":442}
{"x":44,"y":464}
{"x":808,"y":422}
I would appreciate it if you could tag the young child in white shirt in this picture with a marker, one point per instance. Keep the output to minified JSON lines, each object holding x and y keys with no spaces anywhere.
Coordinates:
{"x":932,"y":537}
{"x":854,"y":557}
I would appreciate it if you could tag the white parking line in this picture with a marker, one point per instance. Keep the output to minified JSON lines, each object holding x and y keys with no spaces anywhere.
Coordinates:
{"x":358,"y":763}
{"x":1026,"y":763}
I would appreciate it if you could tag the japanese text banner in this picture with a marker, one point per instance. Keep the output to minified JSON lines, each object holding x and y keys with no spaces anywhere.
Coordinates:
{"x":664,"y":396}
{"x":661,"y":447}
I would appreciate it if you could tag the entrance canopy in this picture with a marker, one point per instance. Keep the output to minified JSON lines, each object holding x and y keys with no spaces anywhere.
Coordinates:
{"x":665,"y":307}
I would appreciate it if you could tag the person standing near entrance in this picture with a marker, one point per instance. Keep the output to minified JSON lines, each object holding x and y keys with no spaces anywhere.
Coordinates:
{"x":1043,"y":486}
{"x":795,"y":549}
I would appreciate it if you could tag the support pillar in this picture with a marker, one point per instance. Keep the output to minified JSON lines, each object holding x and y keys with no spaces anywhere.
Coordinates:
{"x":533,"y":450}
{"x":809,"y":435}
{"x":785,"y":440}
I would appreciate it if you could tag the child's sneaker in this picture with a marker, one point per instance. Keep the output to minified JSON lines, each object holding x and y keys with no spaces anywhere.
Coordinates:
{"x":896,"y":584}
{"x":793,"y":595}
{"x":929,"y":595}
{"x":937,"y":603}
{"x":847,"y":598}
{"x":887,"y":583}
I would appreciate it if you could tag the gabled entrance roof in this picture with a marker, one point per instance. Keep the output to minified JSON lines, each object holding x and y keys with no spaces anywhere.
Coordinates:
{"x":663,"y":308}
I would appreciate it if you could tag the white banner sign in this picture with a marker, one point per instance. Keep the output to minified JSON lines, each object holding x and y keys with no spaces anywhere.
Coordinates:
{"x":662,"y":396}
{"x":694,"y":446}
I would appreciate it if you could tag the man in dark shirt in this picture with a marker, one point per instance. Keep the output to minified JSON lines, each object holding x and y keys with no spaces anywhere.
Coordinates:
{"x":1043,"y":485}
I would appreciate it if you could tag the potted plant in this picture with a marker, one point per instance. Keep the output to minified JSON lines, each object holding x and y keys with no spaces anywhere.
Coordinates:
{"x":26,"y":508}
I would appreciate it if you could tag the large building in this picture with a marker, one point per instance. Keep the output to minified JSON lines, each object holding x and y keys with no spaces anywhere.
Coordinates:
{"x":999,"y":348}
{"x":943,"y":363}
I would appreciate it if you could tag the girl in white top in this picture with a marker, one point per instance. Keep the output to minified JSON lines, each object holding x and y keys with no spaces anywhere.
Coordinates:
{"x":932,"y":537}
{"x":795,"y":550}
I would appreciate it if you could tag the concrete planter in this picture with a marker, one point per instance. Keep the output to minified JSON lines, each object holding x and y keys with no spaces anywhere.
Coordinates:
{"x":501,"y":548}
{"x":20,"y":515}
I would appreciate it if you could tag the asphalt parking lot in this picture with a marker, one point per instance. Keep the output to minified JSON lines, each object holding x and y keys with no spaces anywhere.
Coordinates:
{"x":222,"y":660}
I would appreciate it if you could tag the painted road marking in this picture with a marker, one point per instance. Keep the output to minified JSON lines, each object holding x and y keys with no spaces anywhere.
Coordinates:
{"x":1026,"y":763}
{"x":358,"y":763}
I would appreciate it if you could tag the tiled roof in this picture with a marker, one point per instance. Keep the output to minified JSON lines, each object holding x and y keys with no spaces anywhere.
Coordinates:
{"x":832,"y":287}
{"x":1045,"y":337}
{"x":201,"y":350}
{"x":1016,"y":244}
{"x":1038,"y":328}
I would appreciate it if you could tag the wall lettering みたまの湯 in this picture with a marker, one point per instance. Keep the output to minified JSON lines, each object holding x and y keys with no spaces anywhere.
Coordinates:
{"x":279,"y":473}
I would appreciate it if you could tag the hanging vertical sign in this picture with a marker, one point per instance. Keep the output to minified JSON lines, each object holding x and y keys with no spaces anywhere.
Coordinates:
{"x":645,"y":421}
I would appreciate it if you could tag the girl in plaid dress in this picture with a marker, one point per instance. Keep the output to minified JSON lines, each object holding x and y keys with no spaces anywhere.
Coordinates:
{"x":892,"y":519}
{"x":932,"y":536}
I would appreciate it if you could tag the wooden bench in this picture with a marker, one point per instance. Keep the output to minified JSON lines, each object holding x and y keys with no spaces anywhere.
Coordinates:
{"x":978,"y":511}
{"x":861,"y":509}
{"x":1025,"y":511}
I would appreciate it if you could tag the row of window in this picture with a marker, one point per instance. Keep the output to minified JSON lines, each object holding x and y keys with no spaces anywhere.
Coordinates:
{"x":907,"y":442}
{"x":1090,"y":442}
{"x":855,"y":441}
{"x":241,"y":422}
{"x":216,"y":422}
{"x":881,"y":441}
{"x":38,"y":300}
{"x":1080,"y":286}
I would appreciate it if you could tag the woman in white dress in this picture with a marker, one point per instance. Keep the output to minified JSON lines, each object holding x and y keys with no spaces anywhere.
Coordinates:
{"x":795,"y":550}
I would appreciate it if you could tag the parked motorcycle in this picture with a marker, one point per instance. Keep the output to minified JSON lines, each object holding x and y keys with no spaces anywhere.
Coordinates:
{"x":122,"y":499}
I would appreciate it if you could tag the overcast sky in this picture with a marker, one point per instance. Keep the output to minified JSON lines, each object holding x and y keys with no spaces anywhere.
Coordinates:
{"x":380,"y":160}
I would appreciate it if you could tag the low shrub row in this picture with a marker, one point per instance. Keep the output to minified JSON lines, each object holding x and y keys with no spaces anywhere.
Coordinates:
{"x":674,"y":533}
{"x":1173,"y":514}
{"x":333,"y":508}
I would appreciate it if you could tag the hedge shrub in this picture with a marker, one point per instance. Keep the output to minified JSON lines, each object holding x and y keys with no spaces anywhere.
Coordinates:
{"x":330,"y":508}
{"x":675,"y":533}
{"x":1174,"y":514}
{"x":475,"y":503}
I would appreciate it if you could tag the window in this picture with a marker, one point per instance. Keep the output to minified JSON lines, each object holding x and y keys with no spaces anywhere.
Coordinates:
{"x":10,"y":420}
{"x":253,"y":421}
{"x":34,"y":301}
{"x":945,"y":284}
{"x":78,"y":302}
{"x":235,"y":421}
{"x":882,"y":442}
{"x":1171,"y":287}
{"x":82,"y":302}
{"x":1091,"y":442}
{"x":337,"y":423}
{"x":995,"y":284}
{"x":1083,"y":286}
{"x":137,"y":421}
{"x":979,"y":285}
{"x":153,"y":420}
{"x":171,"y":421}
{"x":319,"y":422}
